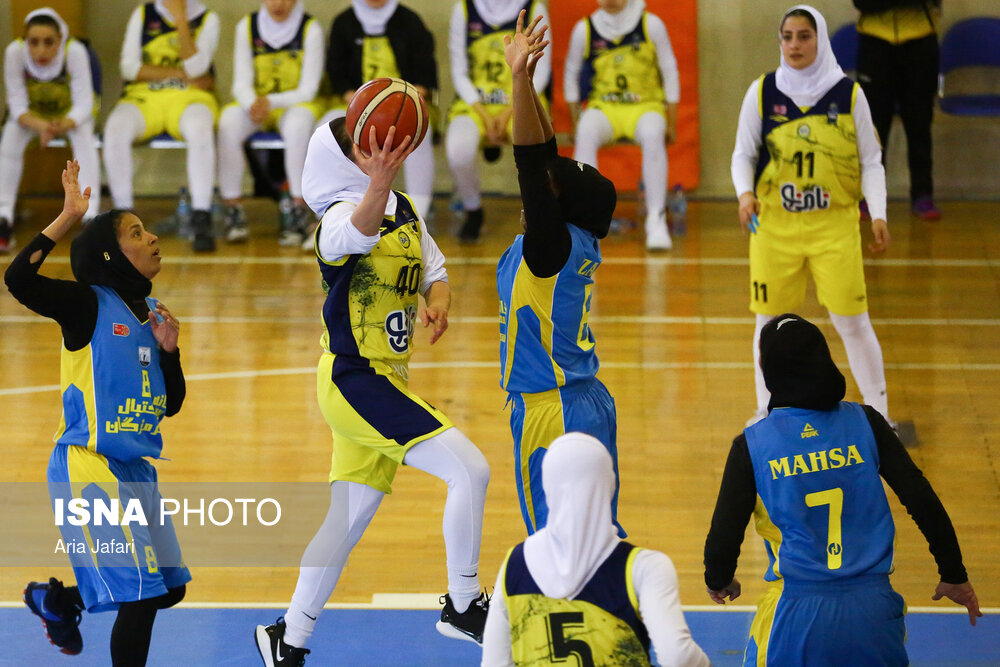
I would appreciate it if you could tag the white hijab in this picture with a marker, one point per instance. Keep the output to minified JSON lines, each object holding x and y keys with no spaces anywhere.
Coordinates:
{"x":329,"y":176}
{"x":807,"y":86}
{"x":616,"y":26}
{"x":579,"y":482}
{"x":373,"y":21}
{"x":195,"y":8}
{"x":498,"y":12}
{"x":276,"y":34}
{"x":52,"y":70}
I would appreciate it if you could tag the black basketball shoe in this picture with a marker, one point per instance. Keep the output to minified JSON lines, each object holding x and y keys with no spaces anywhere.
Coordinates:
{"x":273,"y":649}
{"x":468,"y":625}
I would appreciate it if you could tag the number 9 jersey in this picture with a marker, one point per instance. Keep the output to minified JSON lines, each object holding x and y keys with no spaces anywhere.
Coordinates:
{"x":821,"y":507}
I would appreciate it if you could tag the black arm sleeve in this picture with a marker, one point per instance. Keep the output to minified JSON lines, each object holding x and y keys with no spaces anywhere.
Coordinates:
{"x":733,"y":509}
{"x":547,"y":242}
{"x":340,"y":61}
{"x":173,"y":379}
{"x":73,"y":305}
{"x":915,"y":492}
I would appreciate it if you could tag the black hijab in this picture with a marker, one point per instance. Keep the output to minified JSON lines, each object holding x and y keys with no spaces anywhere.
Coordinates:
{"x":97,"y":259}
{"x":798,"y":369}
{"x":586,"y":198}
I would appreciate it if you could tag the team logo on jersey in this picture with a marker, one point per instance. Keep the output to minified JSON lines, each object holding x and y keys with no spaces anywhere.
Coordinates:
{"x":831,"y":114}
{"x":404,"y":240}
{"x":804,"y":130}
{"x":145,"y":355}
{"x":799,"y":201}
{"x":780,"y":110}
{"x":809,"y":432}
{"x":119,"y":329}
{"x":399,"y":328}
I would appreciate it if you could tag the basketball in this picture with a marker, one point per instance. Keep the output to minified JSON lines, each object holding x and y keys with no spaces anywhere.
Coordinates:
{"x":382,"y":103}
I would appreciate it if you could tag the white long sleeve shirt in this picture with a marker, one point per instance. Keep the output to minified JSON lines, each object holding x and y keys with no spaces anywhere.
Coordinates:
{"x":81,"y":85}
{"x":338,"y":237}
{"x":309,"y":79}
{"x":665,"y":58}
{"x":206,"y":43}
{"x":655,"y":581}
{"x":748,"y":145}
{"x":460,"y":59}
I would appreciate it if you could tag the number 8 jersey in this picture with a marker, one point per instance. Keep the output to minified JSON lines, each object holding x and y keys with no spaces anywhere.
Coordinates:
{"x":821,"y":507}
{"x":371,"y":299}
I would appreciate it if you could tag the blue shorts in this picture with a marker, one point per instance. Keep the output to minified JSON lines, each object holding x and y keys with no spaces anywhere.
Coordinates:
{"x":854,"y":622}
{"x":538,"y":419}
{"x":121,"y":560}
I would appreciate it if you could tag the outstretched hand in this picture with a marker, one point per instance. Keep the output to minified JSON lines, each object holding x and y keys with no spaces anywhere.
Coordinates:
{"x":75,"y":204}
{"x":525,"y":47}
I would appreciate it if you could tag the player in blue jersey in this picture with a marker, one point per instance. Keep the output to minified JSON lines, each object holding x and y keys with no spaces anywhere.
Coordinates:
{"x":121,"y":374}
{"x":811,"y":474}
{"x":575,"y":588}
{"x":545,"y":282}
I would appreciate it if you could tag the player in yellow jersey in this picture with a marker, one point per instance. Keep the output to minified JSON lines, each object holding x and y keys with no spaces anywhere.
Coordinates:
{"x":622,"y":57}
{"x":806,"y":152}
{"x":166,"y":62}
{"x":50,"y":93}
{"x":482,"y":114}
{"x":574,"y":593}
{"x":376,"y":257}
{"x":277,"y":67}
{"x":372,"y":39}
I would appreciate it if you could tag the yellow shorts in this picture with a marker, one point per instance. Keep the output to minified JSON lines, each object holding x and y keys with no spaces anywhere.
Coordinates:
{"x":460,"y":108}
{"x":162,"y":108}
{"x":788,"y":247}
{"x":375,"y":420}
{"x":317,"y":108}
{"x":760,"y":628}
{"x":624,"y":117}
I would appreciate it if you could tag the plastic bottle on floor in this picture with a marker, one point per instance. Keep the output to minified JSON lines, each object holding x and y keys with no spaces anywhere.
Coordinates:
{"x":183,"y":215}
{"x":678,"y":210}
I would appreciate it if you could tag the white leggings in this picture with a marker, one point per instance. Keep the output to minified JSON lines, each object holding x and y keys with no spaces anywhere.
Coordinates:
{"x":864,"y":355}
{"x":16,"y":138}
{"x":462,"y":147}
{"x":126,"y":124}
{"x":451,"y":457}
{"x":295,"y":127}
{"x":594,"y":130}
{"x":418,"y":168}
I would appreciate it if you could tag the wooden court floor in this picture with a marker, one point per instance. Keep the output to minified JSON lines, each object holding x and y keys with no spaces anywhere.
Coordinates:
{"x":673,"y":334}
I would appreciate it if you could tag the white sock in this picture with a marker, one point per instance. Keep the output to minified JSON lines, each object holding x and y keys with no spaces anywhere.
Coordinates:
{"x":12,"y":144}
{"x":593,"y":130}
{"x":296,"y":126}
{"x":352,"y":507}
{"x":125,"y":124}
{"x":864,"y":354}
{"x":763,"y":395}
{"x":462,"y":148}
{"x":649,"y":134}
{"x":234,"y":128}
{"x":451,"y":457}
{"x":196,"y":126}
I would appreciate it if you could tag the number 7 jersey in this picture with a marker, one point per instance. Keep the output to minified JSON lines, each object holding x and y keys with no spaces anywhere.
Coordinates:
{"x":821,"y":507}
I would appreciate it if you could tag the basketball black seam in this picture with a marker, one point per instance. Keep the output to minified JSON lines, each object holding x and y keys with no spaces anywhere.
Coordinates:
{"x":402,"y":106}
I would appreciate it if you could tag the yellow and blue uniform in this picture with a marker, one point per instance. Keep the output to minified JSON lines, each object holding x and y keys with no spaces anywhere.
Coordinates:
{"x":488,"y":69}
{"x":363,"y":375}
{"x":548,"y":364}
{"x":828,"y":533}
{"x":53,"y":98}
{"x":599,"y":626}
{"x":622,"y":78}
{"x":163,"y":102}
{"x":114,"y":397}
{"x":277,"y":70}
{"x":808,"y":181}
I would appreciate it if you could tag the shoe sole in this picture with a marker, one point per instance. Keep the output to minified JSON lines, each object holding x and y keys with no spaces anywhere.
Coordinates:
{"x":45,"y":626}
{"x":450,"y":631}
{"x":260,"y":634}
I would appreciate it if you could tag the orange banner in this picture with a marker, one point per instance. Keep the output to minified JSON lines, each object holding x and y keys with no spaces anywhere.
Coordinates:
{"x":622,"y":163}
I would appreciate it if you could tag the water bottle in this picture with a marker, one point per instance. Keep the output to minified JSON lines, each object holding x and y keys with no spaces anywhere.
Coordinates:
{"x":183,"y":215}
{"x":640,"y":201}
{"x":285,"y":206}
{"x":217,"y":207}
{"x":678,"y":210}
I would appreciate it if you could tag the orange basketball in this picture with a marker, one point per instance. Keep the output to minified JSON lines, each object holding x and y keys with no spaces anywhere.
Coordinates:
{"x":382,"y":103}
